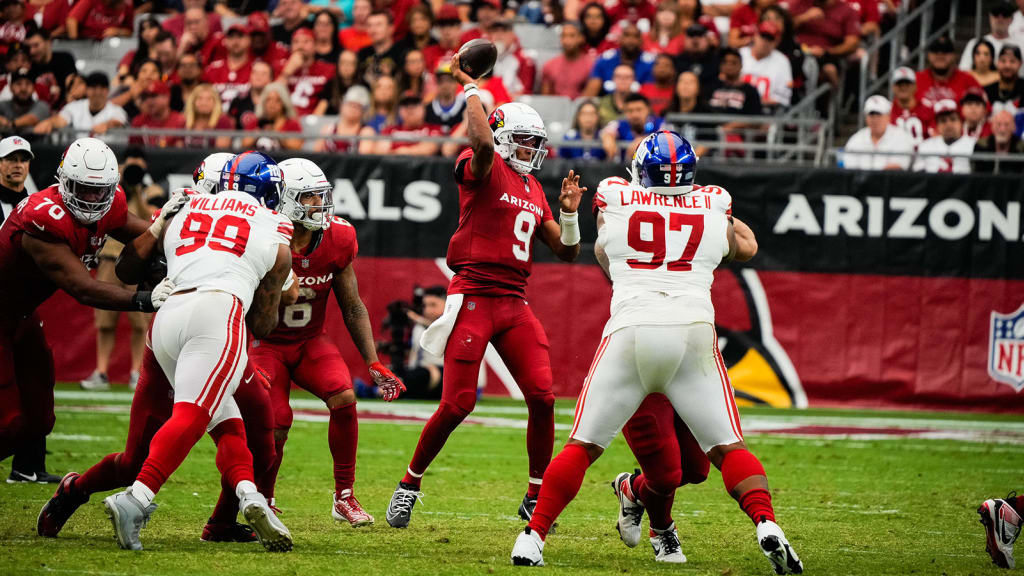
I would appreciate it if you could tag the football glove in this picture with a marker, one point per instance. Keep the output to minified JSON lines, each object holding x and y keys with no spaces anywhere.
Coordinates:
{"x":161,"y":292}
{"x":389,"y":385}
{"x":173,"y":205}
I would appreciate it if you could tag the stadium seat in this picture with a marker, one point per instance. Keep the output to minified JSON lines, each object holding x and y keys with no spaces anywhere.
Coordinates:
{"x":551,"y":108}
{"x":313,"y":125}
{"x":538,"y":37}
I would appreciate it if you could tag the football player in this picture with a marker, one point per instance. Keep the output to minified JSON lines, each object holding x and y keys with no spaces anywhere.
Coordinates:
{"x":1002,"y":521}
{"x":323,"y":248}
{"x":660,"y":238}
{"x":502,"y":210}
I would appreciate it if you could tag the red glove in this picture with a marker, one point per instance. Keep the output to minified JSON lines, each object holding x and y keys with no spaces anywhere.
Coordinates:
{"x":389,"y":385}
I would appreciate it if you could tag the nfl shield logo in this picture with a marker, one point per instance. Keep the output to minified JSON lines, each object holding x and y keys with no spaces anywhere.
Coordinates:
{"x":305,"y":262}
{"x":1006,"y":348}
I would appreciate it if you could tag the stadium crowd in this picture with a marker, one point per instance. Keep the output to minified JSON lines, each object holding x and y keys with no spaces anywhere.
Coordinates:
{"x":381,"y":67}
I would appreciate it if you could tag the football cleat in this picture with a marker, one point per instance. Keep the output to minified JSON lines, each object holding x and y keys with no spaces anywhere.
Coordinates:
{"x":1002,"y":526}
{"x":273,"y":506}
{"x":129,"y":517}
{"x":228,"y":532}
{"x":666,"y":545}
{"x":133,"y":380}
{"x":528,"y":549}
{"x":274,"y":536}
{"x":348,"y":509}
{"x":776,"y":548}
{"x":631,"y":510}
{"x":59,"y":508}
{"x":95,"y":382}
{"x":400,"y":508}
{"x":527,"y":507}
{"x":40,"y":477}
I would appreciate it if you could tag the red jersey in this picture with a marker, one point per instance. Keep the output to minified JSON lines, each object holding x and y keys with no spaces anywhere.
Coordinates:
{"x":659,"y":97}
{"x":918,"y":122}
{"x":230,"y":84}
{"x":491,"y":250}
{"x":94,"y":17}
{"x":307,"y":86}
{"x":435,"y":54}
{"x":276,"y":55}
{"x":632,"y":12}
{"x":174,"y":120}
{"x":355,"y":39}
{"x":930,"y":90}
{"x":330,"y":252}
{"x":43,"y":215}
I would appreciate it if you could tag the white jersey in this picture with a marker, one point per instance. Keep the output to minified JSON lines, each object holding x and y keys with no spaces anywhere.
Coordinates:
{"x":934,"y":155}
{"x":662,"y":252}
{"x":226,"y":242}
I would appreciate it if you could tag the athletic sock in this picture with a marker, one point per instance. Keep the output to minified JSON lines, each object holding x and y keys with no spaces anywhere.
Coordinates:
{"x":268,"y":479}
{"x":737,"y":466}
{"x":757,"y":504}
{"x":235,"y":464}
{"x":144,"y":494}
{"x":172,"y":443}
{"x":343,"y":438}
{"x":540,"y":437}
{"x":103,"y":476}
{"x":442,"y":423}
{"x":411,"y":480}
{"x":533,"y":487}
{"x":564,"y":477}
{"x":658,"y":505}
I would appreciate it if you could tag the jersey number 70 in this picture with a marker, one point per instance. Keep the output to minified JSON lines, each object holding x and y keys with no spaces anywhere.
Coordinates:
{"x":657,"y":244}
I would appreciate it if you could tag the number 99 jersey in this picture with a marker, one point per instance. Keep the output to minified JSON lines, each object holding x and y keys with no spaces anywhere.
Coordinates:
{"x":330,"y":252}
{"x":662,"y":252}
{"x":226,"y":242}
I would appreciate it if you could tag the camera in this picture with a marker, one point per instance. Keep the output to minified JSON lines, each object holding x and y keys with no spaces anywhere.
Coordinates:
{"x":398,"y":328}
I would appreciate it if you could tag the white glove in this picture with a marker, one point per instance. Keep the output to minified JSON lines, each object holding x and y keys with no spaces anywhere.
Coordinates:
{"x":173,"y":205}
{"x":161,"y":292}
{"x":289,"y":281}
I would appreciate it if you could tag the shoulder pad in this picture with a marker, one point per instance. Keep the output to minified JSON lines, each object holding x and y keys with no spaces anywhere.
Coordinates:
{"x":340,"y":221}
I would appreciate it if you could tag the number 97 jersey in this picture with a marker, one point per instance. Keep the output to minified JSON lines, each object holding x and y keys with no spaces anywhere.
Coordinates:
{"x":662,"y":252}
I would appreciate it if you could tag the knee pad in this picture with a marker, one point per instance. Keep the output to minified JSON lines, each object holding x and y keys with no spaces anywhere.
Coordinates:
{"x":456,"y":410}
{"x":542,"y":402}
{"x":283,"y":417}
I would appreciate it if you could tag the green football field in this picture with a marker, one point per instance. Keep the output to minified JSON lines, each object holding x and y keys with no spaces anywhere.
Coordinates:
{"x":857,"y":493}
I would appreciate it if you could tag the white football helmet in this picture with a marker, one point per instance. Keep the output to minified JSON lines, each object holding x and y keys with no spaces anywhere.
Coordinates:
{"x":87,"y":178}
{"x":207,"y":175}
{"x":301,"y":178}
{"x":517,"y":126}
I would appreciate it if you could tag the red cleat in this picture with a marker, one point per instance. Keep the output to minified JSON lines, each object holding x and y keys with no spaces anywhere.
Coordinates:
{"x":348,"y":509}
{"x":60,"y":507}
{"x":227,"y":532}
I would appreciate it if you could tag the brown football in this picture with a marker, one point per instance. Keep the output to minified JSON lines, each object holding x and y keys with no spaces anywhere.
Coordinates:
{"x":477,"y":57}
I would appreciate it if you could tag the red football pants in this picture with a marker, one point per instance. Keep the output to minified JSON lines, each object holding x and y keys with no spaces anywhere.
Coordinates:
{"x":26,"y":383}
{"x":668,"y":453}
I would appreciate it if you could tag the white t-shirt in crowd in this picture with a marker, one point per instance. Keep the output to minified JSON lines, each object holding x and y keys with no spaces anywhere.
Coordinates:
{"x":78,"y":116}
{"x":772,"y":75}
{"x":860,"y":147}
{"x":934,"y":155}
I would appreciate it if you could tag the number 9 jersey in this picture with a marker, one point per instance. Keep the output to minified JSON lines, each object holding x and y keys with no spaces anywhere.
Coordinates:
{"x":662,"y":252}
{"x":226,"y":243}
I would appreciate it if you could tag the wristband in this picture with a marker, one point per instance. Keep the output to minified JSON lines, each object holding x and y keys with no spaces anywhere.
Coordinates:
{"x":157,"y":227}
{"x":569,"y":223}
{"x":288,"y":282}
{"x":143,"y":301}
{"x":470,"y":90}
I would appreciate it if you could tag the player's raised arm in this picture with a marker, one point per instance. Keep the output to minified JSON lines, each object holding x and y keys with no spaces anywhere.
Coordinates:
{"x":262,"y":316}
{"x":742,"y":243}
{"x":481,"y":138}
{"x":564,"y":237}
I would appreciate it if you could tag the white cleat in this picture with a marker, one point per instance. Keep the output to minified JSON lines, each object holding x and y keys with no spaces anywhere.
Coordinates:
{"x":528,"y":550}
{"x":666,"y":545}
{"x":776,"y":548}
{"x":274,"y":536}
{"x":95,"y":382}
{"x":631,"y":510}
{"x":1002,"y":526}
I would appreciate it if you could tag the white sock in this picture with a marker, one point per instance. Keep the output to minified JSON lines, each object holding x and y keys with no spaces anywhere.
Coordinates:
{"x":244,"y":487}
{"x":142,"y":493}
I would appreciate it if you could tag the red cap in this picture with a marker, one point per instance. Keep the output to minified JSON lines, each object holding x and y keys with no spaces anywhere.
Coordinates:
{"x":975,"y":94}
{"x":238,"y":27}
{"x":767,"y":28}
{"x":448,"y":13}
{"x":258,"y":22}
{"x":157,"y":88}
{"x":496,"y":4}
{"x":302,"y":32}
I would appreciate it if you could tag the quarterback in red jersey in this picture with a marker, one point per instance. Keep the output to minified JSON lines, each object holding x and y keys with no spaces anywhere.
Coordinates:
{"x":323,"y":248}
{"x":502,"y":208}
{"x":49,"y":243}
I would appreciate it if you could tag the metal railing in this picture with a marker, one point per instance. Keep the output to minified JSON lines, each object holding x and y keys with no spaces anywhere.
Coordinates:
{"x":1001,"y":163}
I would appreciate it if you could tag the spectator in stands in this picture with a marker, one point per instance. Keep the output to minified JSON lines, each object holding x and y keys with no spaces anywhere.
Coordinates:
{"x":99,"y":19}
{"x":263,"y":46}
{"x":449,"y":106}
{"x":294,"y":14}
{"x":908,"y":112}
{"x":596,"y":26}
{"x":203,"y":111}
{"x":585,"y":126}
{"x":415,"y":78}
{"x":197,"y":38}
{"x":384,"y":99}
{"x":666,"y":35}
{"x":632,"y":11}
{"x":230,"y":75}
{"x":16,"y":22}
{"x":662,"y":86}
{"x":974,"y":109}
{"x":350,"y":123}
{"x":873,"y":147}
{"x":687,"y":100}
{"x":829,"y":30}
{"x":630,"y":53}
{"x":729,"y":94}
{"x":613,"y":104}
{"x":743,"y":21}
{"x":698,"y":56}
{"x":1003,"y":142}
{"x":157,"y":114}
{"x":94,"y":113}
{"x":185,"y":79}
{"x":789,"y":47}
{"x":149,"y":29}
{"x":485,"y":13}
{"x":1000,"y":14}
{"x":636,"y":123}
{"x":868,"y":16}
{"x":131,"y":97}
{"x":20,"y":113}
{"x":412,"y":124}
{"x":305,"y":76}
{"x":14,"y":171}
{"x":382,"y":56}
{"x":166,"y":50}
{"x":176,"y":23}
{"x":567,"y":74}
{"x":327,"y":45}
{"x":983,"y":66}
{"x":691,"y":12}
{"x":448,"y":33}
{"x":332,"y":7}
{"x":243,"y":107}
{"x":345,"y":77}
{"x":420,"y":21}
{"x":74,"y":89}
{"x":49,"y":69}
{"x":1017,"y":23}
{"x":767,"y":69}
{"x":355,"y":37}
{"x":942,"y":80}
{"x":274,"y":113}
{"x":516,"y":70}
{"x":1010,"y":87}
{"x":949,"y":150}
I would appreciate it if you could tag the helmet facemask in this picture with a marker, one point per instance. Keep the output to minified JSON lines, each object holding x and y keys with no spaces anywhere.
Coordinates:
{"x":311,"y":207}
{"x":88,"y":203}
{"x":533,"y":146}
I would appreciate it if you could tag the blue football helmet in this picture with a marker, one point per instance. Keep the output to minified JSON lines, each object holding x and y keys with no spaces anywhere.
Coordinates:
{"x":256,"y":174}
{"x":665,"y":163}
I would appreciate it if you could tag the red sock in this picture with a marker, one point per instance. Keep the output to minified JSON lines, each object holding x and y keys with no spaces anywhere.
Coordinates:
{"x":107,"y":474}
{"x":268,"y":479}
{"x":657,"y":504}
{"x":737,"y":466}
{"x":540,"y":438}
{"x":233,"y":458}
{"x":532,"y":489}
{"x":172,"y":443}
{"x":226,"y":509}
{"x":562,"y":482}
{"x":442,"y":423}
{"x":343,"y":437}
{"x":757,"y":503}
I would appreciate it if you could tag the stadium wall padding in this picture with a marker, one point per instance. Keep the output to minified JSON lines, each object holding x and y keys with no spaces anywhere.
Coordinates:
{"x":885,"y":289}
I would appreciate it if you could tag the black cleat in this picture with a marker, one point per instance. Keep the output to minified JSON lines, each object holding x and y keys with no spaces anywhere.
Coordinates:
{"x":59,"y":508}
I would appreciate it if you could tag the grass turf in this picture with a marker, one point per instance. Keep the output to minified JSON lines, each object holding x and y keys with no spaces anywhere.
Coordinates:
{"x":848,"y":506}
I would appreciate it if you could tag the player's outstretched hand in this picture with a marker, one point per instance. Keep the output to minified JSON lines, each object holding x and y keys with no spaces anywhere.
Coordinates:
{"x":572,"y":193}
{"x":389,"y":385}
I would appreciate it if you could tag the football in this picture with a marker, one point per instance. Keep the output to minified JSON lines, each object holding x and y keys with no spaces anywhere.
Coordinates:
{"x":477,"y":57}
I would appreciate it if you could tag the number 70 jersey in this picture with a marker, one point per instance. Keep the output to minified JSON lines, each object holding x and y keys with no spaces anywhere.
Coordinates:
{"x":226,"y":242}
{"x":662,"y":252}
